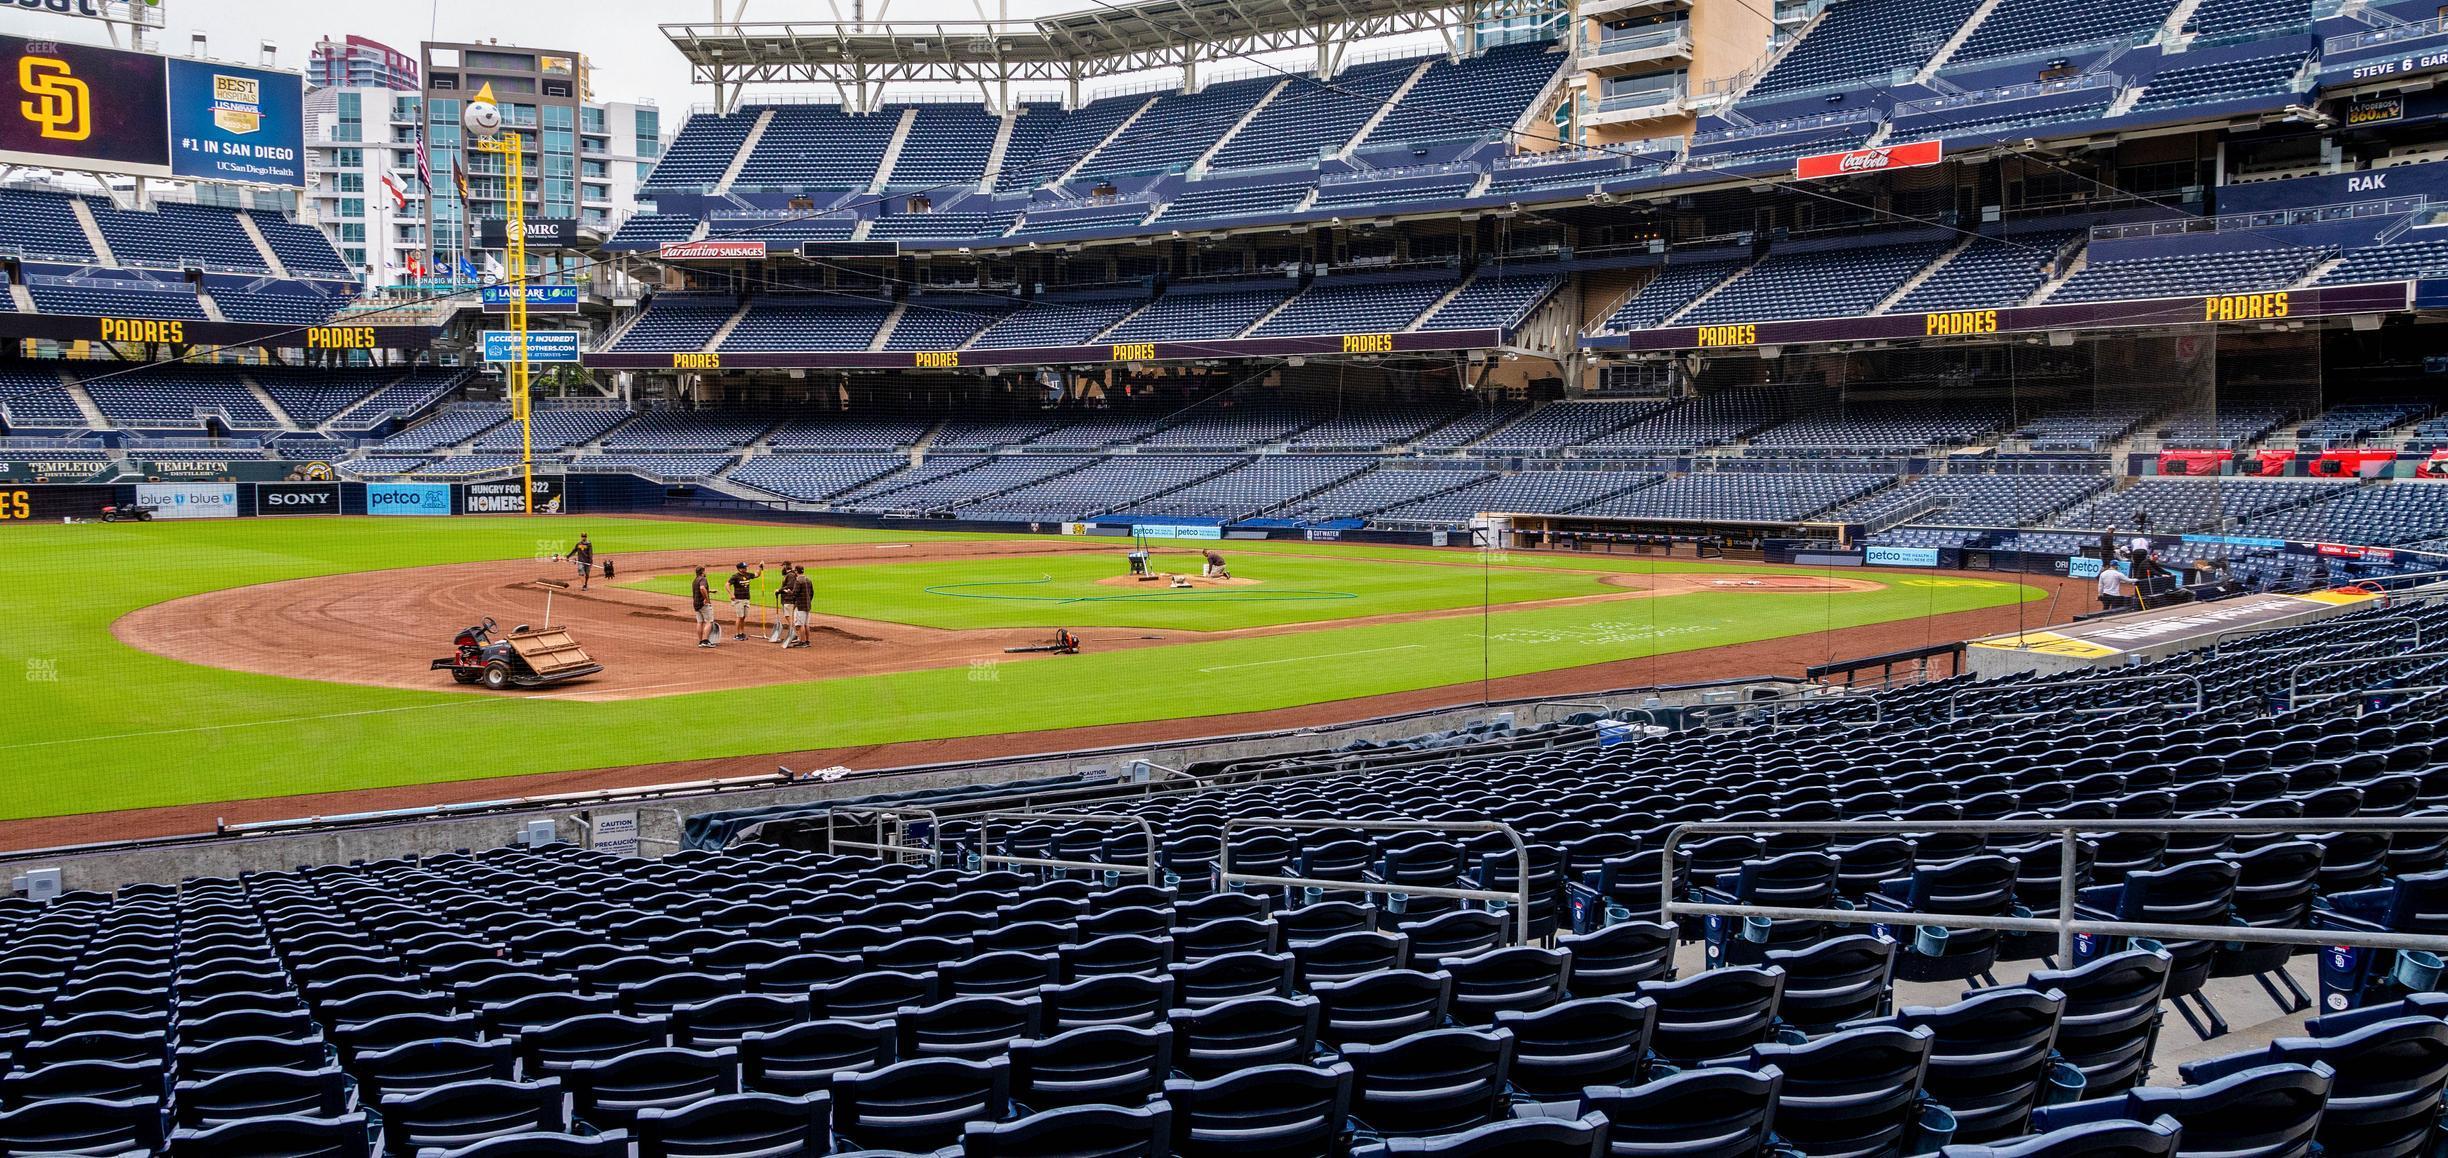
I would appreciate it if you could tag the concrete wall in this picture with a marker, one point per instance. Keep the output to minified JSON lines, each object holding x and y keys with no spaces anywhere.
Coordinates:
{"x":660,"y":818}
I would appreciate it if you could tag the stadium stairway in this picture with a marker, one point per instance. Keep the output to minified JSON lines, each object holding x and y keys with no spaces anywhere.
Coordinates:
{"x":1926,"y":272}
{"x":1401,"y":93}
{"x":1938,"y":60}
{"x":1120,"y":127}
{"x":83,"y":213}
{"x":747,"y":149}
{"x":263,"y":246}
{"x":1198,"y":167}
{"x":892,"y":155}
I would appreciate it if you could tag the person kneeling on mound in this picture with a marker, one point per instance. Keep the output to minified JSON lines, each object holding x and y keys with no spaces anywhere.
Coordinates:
{"x":1215,"y":567}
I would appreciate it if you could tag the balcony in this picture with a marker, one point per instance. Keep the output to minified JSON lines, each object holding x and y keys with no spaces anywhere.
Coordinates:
{"x":1631,"y":106}
{"x":1639,"y":49}
{"x":1621,"y":9}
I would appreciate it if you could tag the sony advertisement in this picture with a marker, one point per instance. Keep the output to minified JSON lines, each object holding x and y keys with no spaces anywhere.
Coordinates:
{"x":297,"y":498}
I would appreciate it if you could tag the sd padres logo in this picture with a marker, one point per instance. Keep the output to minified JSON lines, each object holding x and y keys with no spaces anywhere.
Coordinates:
{"x":62,"y":105}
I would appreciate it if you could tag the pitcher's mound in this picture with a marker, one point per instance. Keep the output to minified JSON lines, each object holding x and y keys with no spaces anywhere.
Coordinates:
{"x":1166,"y":582}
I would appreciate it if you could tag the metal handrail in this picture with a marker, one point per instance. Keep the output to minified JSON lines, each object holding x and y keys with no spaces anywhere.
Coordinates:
{"x":2200,"y":691}
{"x":1601,"y":705}
{"x":1225,"y":877}
{"x":2069,"y":834}
{"x":2295,"y":677}
{"x":985,"y":822}
{"x":900,"y":815}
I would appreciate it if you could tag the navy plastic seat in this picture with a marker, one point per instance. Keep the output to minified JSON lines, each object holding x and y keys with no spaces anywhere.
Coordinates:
{"x":108,"y":1081}
{"x":725,"y":1020}
{"x":1383,"y":1006}
{"x":1521,"y":978}
{"x":1795,"y":880}
{"x":1113,"y":1064}
{"x":871,"y":995}
{"x":1591,"y":1041}
{"x":1263,"y":1112}
{"x":2199,"y":893}
{"x":2112,"y":1015}
{"x":539,"y":1144}
{"x":82,"y":1126}
{"x":1716,"y":1112}
{"x":2409,"y":904}
{"x":1851,"y":1094}
{"x":1615,"y":959}
{"x":1993,"y":1057}
{"x":1107,"y":999}
{"x":967,"y":1027}
{"x":422,"y":1065}
{"x":921,"y":1104}
{"x":2116,"y":1139}
{"x":2385,"y":1098}
{"x":1721,"y":1013}
{"x":1202,"y":983}
{"x":593,"y":1037}
{"x":292,"y":1136}
{"x":1244,"y":1032}
{"x":1343,"y":956}
{"x":1583,"y":1137}
{"x":611,"y":1093}
{"x":1002,"y":973}
{"x":320,"y":1093}
{"x":1834,"y":981}
{"x":804,"y":1058}
{"x":467,"y":1112}
{"x":1431,"y":1083}
{"x":764,"y":1125}
{"x":1978,"y":886}
{"x":1100,"y":1131}
{"x":2270,"y":1111}
{"x":1462,"y":933}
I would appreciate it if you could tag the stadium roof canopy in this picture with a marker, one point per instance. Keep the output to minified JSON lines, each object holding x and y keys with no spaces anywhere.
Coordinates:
{"x":1102,"y":40}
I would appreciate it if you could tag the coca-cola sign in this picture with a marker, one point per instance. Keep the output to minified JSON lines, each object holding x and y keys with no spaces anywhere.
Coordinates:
{"x":1909,"y":155}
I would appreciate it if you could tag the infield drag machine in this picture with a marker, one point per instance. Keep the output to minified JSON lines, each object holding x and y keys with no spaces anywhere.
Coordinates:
{"x":525,"y":658}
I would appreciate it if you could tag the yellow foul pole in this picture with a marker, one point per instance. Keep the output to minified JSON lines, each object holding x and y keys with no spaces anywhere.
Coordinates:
{"x":522,"y":403}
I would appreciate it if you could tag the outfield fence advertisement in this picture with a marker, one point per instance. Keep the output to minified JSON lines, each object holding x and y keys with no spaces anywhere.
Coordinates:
{"x":287,"y":498}
{"x":1902,"y":556}
{"x":502,"y":498}
{"x":189,"y":500}
{"x":408,"y":498}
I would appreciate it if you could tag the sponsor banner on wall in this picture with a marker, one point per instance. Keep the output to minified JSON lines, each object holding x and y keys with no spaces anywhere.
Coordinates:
{"x":50,"y":503}
{"x":501,"y":497}
{"x":189,"y":500}
{"x":1854,"y":162}
{"x":1902,"y":556}
{"x":2082,"y":567}
{"x":712,"y":251}
{"x":232,"y":123}
{"x":408,"y":498}
{"x":542,"y":345}
{"x":1172,"y":531}
{"x":305,"y":498}
{"x":539,"y":233}
{"x":541,"y":299}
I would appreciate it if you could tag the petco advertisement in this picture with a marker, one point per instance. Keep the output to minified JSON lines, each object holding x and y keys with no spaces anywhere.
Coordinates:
{"x":189,"y":500}
{"x":408,"y":498}
{"x":1903,"y":556}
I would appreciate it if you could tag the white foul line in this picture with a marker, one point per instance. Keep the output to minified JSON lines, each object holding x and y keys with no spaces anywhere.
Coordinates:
{"x":1304,"y":658}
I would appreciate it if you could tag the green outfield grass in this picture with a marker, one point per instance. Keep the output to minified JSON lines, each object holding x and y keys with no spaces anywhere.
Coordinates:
{"x":94,"y":725}
{"x":1064,"y":590}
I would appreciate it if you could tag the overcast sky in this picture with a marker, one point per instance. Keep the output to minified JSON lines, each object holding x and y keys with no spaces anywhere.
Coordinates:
{"x":621,"y":38}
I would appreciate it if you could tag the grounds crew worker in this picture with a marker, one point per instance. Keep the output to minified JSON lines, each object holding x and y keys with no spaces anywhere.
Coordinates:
{"x":781,"y":620}
{"x":701,"y":597}
{"x":584,"y":556}
{"x":741,"y":596}
{"x":802,"y":600}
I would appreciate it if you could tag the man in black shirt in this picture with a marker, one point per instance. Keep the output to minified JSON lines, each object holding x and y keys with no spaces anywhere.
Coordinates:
{"x":583,"y":555}
{"x":742,"y":596}
{"x":802,"y":599}
{"x":701,"y":598}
